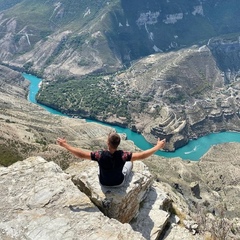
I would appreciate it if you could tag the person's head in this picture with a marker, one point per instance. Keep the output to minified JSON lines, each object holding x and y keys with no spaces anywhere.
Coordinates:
{"x":113,"y":140}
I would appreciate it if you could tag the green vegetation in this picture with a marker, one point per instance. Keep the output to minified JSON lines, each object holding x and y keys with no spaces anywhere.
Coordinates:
{"x":91,"y":96}
{"x":9,"y":155}
{"x":27,"y":66}
{"x":42,"y":141}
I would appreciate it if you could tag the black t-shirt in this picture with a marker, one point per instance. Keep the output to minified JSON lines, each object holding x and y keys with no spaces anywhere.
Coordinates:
{"x":111,"y":165}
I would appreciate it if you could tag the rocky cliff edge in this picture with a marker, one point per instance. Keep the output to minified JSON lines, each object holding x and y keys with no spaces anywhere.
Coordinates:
{"x":40,"y":201}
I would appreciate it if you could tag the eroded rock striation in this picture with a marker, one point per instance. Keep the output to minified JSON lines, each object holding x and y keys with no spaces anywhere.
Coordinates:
{"x":39,"y":201}
{"x":183,"y":95}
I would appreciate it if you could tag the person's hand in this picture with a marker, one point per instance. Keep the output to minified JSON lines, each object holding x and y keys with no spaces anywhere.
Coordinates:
{"x":61,"y":141}
{"x":161,"y":143}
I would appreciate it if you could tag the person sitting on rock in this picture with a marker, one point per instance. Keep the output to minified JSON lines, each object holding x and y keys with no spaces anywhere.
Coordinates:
{"x":114,"y":165}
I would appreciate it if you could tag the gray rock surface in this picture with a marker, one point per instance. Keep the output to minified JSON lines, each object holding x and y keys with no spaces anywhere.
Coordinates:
{"x":153,"y":215}
{"x":179,"y":233}
{"x":120,"y":203}
{"x":217,"y":189}
{"x":146,"y":203}
{"x":39,"y":202}
{"x":220,"y":169}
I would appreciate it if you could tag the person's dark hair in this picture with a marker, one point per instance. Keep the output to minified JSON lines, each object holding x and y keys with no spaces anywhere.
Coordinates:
{"x":114,"y":140}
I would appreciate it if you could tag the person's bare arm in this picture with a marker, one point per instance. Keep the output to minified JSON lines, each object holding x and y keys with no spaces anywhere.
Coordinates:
{"x":147,"y":153}
{"x":75,"y":151}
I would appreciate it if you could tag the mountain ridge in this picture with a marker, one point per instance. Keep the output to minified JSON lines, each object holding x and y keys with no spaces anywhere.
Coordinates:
{"x":114,"y":34}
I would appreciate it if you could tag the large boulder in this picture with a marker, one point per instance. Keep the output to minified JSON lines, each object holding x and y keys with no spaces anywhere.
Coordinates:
{"x":119,"y":203}
{"x":154,"y":213}
{"x":39,"y":201}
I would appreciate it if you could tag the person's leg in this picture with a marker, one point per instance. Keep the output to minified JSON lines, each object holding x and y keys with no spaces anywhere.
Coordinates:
{"x":127,"y":168}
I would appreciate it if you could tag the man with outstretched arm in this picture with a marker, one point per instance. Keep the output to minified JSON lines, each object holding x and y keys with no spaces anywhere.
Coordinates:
{"x":114,"y":165}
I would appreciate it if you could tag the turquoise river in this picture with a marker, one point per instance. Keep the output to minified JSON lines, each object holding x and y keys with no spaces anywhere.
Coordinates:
{"x":194,"y":150}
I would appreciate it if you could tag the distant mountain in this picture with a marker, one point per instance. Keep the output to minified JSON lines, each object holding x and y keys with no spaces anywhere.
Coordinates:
{"x":75,"y":37}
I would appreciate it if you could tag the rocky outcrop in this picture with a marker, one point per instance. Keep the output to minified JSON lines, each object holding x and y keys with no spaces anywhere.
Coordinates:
{"x":39,"y":201}
{"x":207,"y":184}
{"x":167,"y":126}
{"x":119,"y":203}
{"x":154,"y":214}
{"x":210,"y":187}
{"x":146,"y":205}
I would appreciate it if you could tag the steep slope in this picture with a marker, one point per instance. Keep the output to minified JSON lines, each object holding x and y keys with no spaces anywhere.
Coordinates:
{"x":58,"y":38}
{"x":62,"y":35}
{"x":28,"y":130}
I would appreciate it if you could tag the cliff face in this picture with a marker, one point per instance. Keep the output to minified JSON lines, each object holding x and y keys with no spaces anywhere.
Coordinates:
{"x":226,"y":53}
{"x":182,"y":95}
{"x":57,"y":38}
{"x":49,"y":206}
